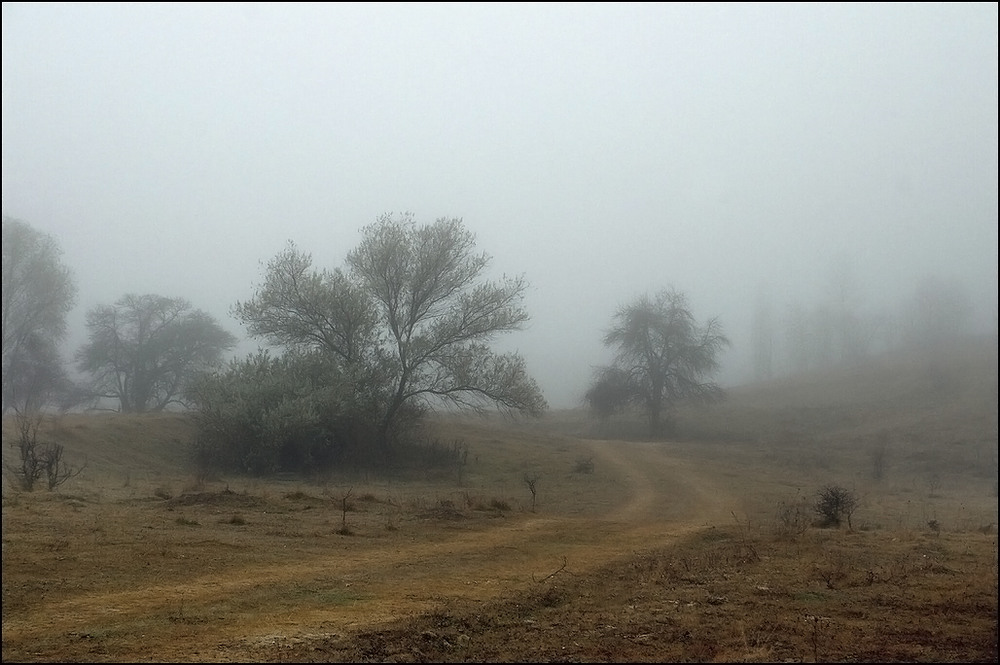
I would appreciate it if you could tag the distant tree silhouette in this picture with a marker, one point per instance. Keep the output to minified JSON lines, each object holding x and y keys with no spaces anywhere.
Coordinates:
{"x":38,"y":292}
{"x":662,"y":357}
{"x":145,"y":350}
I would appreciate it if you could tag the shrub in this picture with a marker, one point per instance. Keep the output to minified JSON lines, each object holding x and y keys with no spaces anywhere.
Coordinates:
{"x":264,"y":415}
{"x":792,"y":518}
{"x":835,"y":504}
{"x":37,"y":458}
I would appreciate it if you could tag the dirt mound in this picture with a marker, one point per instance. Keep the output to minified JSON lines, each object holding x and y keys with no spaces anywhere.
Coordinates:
{"x":225,"y":498}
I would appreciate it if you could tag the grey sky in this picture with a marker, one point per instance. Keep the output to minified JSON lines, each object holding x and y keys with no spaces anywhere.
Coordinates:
{"x":604,"y":150}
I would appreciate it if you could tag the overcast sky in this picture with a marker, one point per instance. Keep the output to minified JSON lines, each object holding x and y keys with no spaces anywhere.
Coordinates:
{"x":602,"y":150}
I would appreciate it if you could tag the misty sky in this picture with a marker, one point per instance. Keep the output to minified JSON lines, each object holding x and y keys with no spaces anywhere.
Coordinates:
{"x":603,"y":150}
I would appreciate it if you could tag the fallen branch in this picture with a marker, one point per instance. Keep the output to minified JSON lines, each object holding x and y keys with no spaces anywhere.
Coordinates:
{"x":552,"y":574}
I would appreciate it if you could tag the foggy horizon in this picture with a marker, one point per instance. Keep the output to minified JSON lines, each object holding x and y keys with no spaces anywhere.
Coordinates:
{"x":738,"y":153}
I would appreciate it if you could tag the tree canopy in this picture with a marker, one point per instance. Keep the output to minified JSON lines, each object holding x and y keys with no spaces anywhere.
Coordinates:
{"x":38,"y":292}
{"x":662,"y":357}
{"x":145,"y":350}
{"x":407,"y":322}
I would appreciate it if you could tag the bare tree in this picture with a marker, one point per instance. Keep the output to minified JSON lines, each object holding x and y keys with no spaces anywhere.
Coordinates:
{"x":663,"y":356}
{"x":344,"y":506}
{"x":531,"y":480}
{"x":38,"y":292}
{"x":145,"y":350}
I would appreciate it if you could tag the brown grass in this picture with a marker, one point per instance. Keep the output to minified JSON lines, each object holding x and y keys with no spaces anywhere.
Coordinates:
{"x":696,"y":549}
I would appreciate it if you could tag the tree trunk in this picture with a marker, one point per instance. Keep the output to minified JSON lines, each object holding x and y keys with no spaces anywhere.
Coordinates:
{"x":655,"y":421}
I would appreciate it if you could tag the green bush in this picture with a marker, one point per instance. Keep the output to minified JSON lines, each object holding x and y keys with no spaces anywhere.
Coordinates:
{"x":263,"y":415}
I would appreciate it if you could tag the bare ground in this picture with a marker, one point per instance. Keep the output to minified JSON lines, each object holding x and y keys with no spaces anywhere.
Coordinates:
{"x":685,"y":551}
{"x":422,"y":568}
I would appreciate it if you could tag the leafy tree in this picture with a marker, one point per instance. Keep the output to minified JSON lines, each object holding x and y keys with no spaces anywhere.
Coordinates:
{"x":407,"y":323}
{"x":610,"y":393}
{"x":298,"y":307}
{"x":38,"y":292}
{"x":266,"y":413}
{"x":662,"y":357}
{"x":145,"y":350}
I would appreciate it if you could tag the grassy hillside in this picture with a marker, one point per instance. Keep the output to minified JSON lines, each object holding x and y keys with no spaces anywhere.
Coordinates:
{"x":704,"y":547}
{"x":952,"y":392}
{"x":114,"y":447}
{"x":942,"y":406}
{"x":940,"y":410}
{"x":914,"y":433}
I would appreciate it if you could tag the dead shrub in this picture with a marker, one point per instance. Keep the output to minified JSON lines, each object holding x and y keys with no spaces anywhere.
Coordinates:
{"x":37,"y":458}
{"x":792,"y":518}
{"x":835,"y":504}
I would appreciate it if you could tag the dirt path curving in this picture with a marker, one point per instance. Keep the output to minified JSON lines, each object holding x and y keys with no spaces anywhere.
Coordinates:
{"x":660,"y":499}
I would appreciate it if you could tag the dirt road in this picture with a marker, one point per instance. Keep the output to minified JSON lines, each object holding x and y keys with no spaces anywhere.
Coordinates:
{"x":659,"y":499}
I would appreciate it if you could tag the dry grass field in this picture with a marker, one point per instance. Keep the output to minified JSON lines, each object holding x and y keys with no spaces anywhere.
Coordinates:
{"x":701,"y":548}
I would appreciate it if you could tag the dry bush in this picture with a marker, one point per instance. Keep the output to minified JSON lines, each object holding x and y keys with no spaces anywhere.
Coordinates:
{"x":833,"y":569}
{"x":834,"y":505}
{"x":481,"y":503}
{"x":792,"y":518}
{"x":531,"y":480}
{"x":37,"y":458}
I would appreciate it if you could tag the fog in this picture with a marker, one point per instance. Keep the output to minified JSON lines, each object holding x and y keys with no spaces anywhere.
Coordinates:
{"x":739,"y":153}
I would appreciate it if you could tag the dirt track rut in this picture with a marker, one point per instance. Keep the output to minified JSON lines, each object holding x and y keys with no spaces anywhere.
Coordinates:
{"x":661,"y":499}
